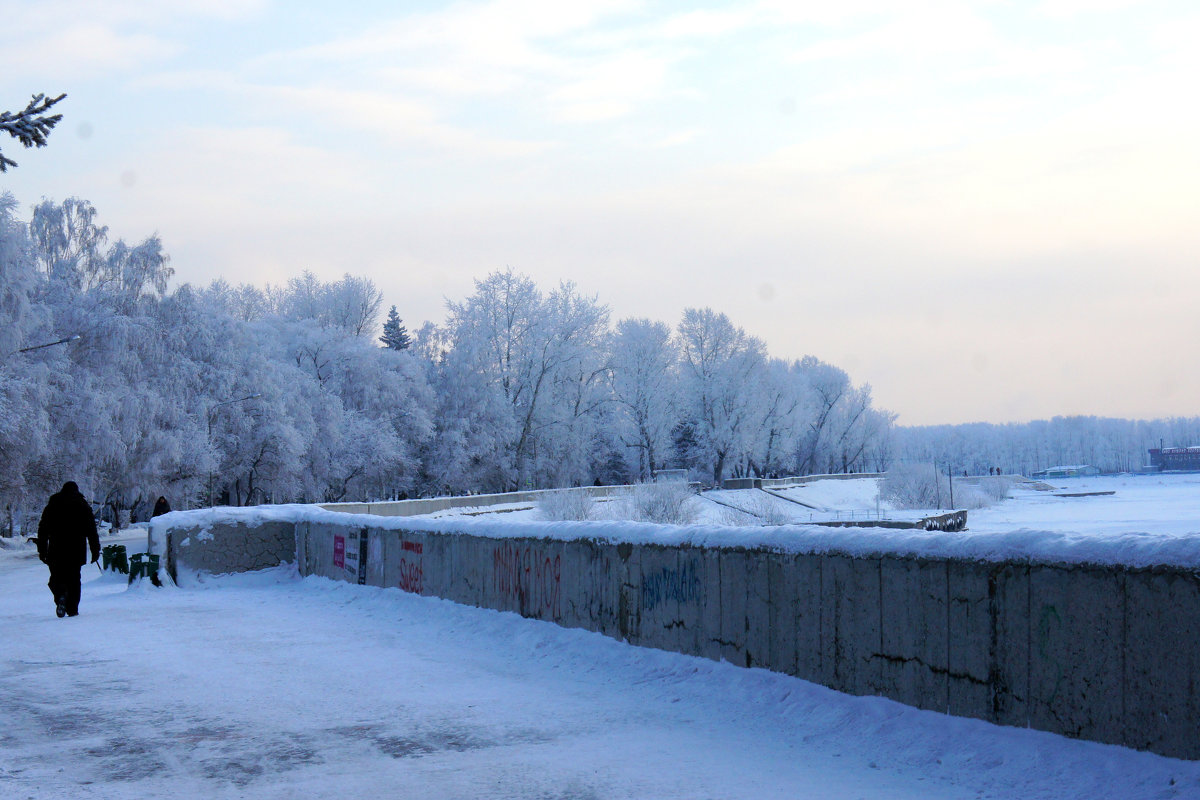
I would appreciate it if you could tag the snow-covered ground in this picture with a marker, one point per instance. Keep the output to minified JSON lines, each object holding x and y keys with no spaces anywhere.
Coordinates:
{"x":268,"y":686}
{"x":839,"y":495}
{"x":1167,"y":504}
{"x":817,"y":501}
{"x":1159,"y":504}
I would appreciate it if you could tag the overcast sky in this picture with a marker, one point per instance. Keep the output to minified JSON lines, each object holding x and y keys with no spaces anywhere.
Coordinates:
{"x":987,"y":211}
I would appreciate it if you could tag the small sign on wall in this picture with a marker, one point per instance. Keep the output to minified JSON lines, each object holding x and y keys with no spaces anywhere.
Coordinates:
{"x":350,"y":555}
{"x":351,"y":558}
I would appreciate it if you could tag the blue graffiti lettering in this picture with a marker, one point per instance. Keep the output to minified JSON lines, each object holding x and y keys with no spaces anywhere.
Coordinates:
{"x":680,"y":585}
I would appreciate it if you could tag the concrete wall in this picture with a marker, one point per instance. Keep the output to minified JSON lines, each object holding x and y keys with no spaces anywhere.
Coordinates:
{"x":1105,"y":653}
{"x":228,"y":548}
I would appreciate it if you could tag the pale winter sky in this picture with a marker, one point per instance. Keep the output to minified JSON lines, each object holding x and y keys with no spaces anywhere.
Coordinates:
{"x":987,"y":211}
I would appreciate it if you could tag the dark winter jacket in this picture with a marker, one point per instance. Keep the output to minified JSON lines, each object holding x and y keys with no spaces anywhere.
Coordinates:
{"x":161,"y":507}
{"x":67,"y":529}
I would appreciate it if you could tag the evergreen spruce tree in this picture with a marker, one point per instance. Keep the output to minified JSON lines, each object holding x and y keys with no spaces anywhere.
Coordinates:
{"x":395,"y":336}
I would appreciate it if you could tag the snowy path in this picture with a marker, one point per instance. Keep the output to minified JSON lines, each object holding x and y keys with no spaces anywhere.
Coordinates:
{"x":266,"y":686}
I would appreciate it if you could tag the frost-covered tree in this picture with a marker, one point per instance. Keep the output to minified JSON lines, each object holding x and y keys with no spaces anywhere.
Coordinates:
{"x":474,"y":427}
{"x":239,"y":395}
{"x":368,"y":395}
{"x":69,"y":243}
{"x":30,"y":126}
{"x":131,"y":271}
{"x":24,"y":422}
{"x":351,"y":304}
{"x":722,"y":364}
{"x":244,"y":303}
{"x":859,"y":427}
{"x":645,"y":383}
{"x":579,"y":389}
{"x":18,"y":278}
{"x":781,"y":419}
{"x":532,"y":367}
{"x":842,"y":424}
{"x":70,"y":248}
{"x":249,"y":395}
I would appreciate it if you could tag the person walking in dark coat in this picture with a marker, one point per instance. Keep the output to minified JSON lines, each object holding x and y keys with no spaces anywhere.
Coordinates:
{"x":66,"y":531}
{"x":161,"y":506}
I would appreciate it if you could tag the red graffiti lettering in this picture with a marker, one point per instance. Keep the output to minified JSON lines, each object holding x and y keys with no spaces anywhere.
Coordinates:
{"x":410,"y":578}
{"x":529,"y":577}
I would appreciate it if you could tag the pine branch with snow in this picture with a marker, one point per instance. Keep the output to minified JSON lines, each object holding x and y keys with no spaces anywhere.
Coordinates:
{"x":29,"y":126}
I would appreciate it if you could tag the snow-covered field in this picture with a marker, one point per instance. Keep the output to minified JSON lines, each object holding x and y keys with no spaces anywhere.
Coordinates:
{"x":1156,"y":504}
{"x":268,"y":686}
{"x":817,"y":501}
{"x":1167,"y":504}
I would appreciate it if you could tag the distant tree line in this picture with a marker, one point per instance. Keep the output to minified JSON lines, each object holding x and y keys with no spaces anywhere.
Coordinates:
{"x":1111,"y":445}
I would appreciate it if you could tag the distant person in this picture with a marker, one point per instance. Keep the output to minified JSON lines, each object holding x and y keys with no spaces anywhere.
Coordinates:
{"x":66,"y":530}
{"x":161,"y":506}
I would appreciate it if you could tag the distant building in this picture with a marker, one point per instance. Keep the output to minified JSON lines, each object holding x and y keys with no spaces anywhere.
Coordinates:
{"x":1078,"y":471}
{"x":1175,"y":458}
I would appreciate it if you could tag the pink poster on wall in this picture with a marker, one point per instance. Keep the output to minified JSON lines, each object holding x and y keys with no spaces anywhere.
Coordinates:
{"x":339,"y":552}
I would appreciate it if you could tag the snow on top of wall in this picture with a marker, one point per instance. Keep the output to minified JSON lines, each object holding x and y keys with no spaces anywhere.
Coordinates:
{"x":202,"y":520}
{"x":1132,"y":549}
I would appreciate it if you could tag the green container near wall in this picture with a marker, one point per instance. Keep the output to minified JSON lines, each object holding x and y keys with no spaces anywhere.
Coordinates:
{"x":144,"y":565}
{"x":113,"y":557}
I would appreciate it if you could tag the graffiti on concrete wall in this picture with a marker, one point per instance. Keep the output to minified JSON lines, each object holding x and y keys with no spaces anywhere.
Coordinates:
{"x":679,"y":585}
{"x":411,"y":575}
{"x":530,"y":576}
{"x":1049,"y":630}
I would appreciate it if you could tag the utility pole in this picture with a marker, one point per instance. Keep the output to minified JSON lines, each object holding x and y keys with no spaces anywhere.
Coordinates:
{"x":937,"y":486}
{"x":950,"y":475}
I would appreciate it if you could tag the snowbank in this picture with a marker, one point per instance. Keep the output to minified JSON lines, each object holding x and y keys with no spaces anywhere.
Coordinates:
{"x":1133,"y":549}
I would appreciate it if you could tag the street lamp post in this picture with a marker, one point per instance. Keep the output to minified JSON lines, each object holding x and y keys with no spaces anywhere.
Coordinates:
{"x":50,"y":344}
{"x":210,"y":424}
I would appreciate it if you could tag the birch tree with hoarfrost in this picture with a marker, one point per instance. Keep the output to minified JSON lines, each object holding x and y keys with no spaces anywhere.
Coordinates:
{"x":645,"y":381}
{"x":721,"y":367}
{"x":532,"y":351}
